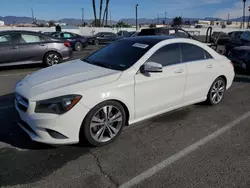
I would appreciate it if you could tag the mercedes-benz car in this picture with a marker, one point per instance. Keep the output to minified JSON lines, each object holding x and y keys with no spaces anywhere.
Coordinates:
{"x":128,"y":81}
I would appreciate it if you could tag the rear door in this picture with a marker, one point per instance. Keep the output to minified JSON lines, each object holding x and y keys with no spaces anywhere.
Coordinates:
{"x":201,"y":72}
{"x":32,"y":47}
{"x":9,"y":49}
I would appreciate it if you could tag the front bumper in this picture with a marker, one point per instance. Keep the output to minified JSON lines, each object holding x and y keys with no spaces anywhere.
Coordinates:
{"x":52,"y":128}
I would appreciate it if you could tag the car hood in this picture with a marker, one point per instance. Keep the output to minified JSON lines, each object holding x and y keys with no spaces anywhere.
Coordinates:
{"x":67,"y":78}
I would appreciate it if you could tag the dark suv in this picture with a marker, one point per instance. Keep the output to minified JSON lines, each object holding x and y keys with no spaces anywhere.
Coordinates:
{"x":26,"y":47}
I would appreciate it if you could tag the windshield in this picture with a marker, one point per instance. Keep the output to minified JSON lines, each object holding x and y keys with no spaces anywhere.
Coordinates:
{"x":119,"y":55}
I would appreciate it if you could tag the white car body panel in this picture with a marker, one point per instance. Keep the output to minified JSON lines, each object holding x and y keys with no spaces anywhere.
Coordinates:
{"x":144,"y":97}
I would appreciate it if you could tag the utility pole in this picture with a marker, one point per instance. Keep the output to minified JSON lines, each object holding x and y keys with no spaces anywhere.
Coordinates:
{"x":244,"y":6}
{"x":82,"y":16}
{"x":110,"y":18}
{"x":158,"y":19}
{"x":136,"y":16}
{"x":165,"y":17}
{"x":228,"y":18}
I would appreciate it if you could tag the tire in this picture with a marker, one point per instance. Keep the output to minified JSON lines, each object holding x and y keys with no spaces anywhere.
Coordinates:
{"x":96,"y":42}
{"x":52,"y":58}
{"x":97,"y":129}
{"x":216,"y":92}
{"x":78,"y":46}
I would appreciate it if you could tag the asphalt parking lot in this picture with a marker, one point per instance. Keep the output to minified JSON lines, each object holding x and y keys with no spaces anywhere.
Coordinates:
{"x":197,"y":146}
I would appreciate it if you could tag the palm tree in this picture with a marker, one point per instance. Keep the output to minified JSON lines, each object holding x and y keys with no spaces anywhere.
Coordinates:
{"x":94,"y":9}
{"x":100,"y":13}
{"x":105,"y":14}
{"x":244,"y":5}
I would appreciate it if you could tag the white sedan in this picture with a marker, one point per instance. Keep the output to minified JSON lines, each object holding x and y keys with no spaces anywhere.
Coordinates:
{"x":123,"y":83}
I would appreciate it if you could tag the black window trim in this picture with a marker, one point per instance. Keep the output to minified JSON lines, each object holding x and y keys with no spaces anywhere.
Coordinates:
{"x":205,"y":58}
{"x":179,"y":44}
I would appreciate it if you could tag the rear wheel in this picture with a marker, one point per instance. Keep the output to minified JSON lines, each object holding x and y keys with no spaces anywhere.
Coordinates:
{"x":104,"y":123}
{"x":78,"y":46}
{"x":52,"y":58}
{"x":217,"y":91}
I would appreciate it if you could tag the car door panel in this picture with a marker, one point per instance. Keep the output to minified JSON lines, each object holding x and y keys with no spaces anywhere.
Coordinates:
{"x":9,"y":49}
{"x":27,"y":45}
{"x":200,"y":76}
{"x":157,"y":92}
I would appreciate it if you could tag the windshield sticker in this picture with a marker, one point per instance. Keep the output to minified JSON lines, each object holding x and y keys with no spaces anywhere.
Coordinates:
{"x":139,"y":45}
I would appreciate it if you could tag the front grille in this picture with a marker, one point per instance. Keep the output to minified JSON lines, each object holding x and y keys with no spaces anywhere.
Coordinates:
{"x":22,"y":103}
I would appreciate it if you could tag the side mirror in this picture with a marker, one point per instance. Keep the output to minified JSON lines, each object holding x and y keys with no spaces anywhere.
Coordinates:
{"x":151,"y":67}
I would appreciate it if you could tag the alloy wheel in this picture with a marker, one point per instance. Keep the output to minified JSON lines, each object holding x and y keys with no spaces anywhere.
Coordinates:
{"x":53,"y":59}
{"x":218,"y":90}
{"x":106,"y":123}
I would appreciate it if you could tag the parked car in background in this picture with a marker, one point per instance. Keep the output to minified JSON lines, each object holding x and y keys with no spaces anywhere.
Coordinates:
{"x":220,"y":38}
{"x":244,"y":40}
{"x":26,"y":47}
{"x":77,"y":42}
{"x":103,"y":38}
{"x":240,"y":57}
{"x":235,"y":35}
{"x":126,"y":82}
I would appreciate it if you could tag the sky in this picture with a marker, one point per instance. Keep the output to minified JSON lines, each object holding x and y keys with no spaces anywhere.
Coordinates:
{"x":58,"y":9}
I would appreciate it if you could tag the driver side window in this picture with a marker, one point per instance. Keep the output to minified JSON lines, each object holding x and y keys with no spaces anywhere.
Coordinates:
{"x":167,"y":55}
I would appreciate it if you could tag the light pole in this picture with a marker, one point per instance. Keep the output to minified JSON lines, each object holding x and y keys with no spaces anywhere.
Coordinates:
{"x":136,"y":16}
{"x":165,"y":17}
{"x":82,"y":16}
{"x":244,"y":6}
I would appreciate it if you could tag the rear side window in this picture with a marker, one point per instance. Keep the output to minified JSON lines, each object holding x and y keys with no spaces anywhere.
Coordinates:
{"x":167,"y":55}
{"x":207,"y":55}
{"x":192,"y":52}
{"x":26,"y":38}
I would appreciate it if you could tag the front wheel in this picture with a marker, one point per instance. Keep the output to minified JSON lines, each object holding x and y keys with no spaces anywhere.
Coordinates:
{"x":216,"y":92}
{"x":104,"y":123}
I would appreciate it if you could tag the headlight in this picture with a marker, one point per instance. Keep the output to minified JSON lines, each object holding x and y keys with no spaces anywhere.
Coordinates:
{"x":58,"y":105}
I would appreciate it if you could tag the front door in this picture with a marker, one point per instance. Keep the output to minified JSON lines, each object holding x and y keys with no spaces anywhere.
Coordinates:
{"x":9,"y":48}
{"x":158,"y":92}
{"x":32,"y":48}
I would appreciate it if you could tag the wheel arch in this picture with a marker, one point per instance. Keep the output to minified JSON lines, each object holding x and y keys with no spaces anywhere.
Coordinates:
{"x":224,"y":78}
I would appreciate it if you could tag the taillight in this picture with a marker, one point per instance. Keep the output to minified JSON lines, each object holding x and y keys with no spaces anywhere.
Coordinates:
{"x":67,"y":44}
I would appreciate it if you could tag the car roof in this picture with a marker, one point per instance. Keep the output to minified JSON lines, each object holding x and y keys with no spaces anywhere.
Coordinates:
{"x":19,"y":31}
{"x":150,"y":39}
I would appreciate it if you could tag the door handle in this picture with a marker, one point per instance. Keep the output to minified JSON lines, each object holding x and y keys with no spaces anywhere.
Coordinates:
{"x":42,"y":44}
{"x":178,"y":71}
{"x":14,"y":47}
{"x":209,"y":66}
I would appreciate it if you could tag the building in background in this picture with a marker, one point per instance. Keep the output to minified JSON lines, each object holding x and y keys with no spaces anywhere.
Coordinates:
{"x":2,"y":23}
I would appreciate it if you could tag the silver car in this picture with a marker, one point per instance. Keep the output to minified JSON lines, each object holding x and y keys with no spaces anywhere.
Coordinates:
{"x":26,"y":47}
